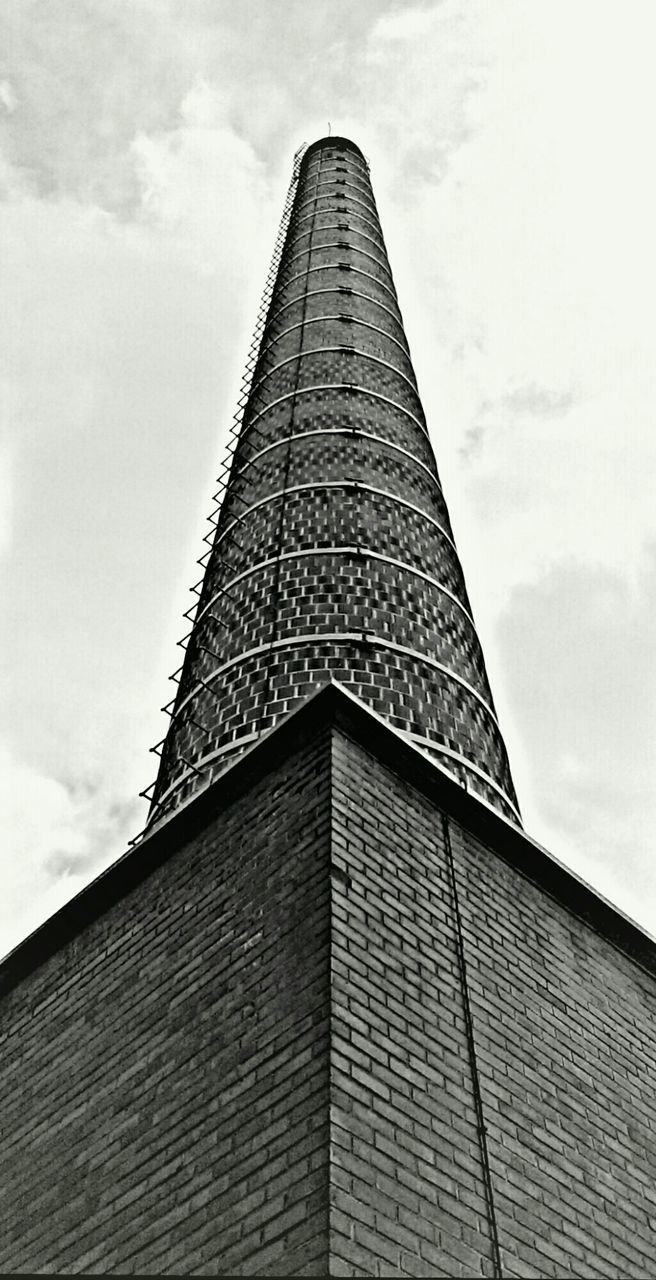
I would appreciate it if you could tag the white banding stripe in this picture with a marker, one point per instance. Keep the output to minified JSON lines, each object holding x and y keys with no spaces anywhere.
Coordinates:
{"x":332,"y":386}
{"x":335,"y":196}
{"x":343,"y":349}
{"x":350,"y":213}
{"x":332,"y":266}
{"x":362,"y":637}
{"x":338,"y":484}
{"x":342,"y":317}
{"x":341,"y":153}
{"x":338,"y":431}
{"x":336,"y":244}
{"x":351,"y":549}
{"x":331,"y":151}
{"x":338,"y":226}
{"x":316,"y":293}
{"x":321,"y":170}
{"x":319,"y":180}
{"x":429,"y":745}
{"x":342,"y":187}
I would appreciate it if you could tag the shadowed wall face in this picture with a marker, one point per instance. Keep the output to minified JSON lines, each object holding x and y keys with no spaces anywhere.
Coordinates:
{"x":165,"y":1075}
{"x":334,"y":555}
{"x":564,"y":1047}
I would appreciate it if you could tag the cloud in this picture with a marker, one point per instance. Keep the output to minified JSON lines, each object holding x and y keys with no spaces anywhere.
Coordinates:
{"x":7,"y":96}
{"x":6,"y":493}
{"x":533,"y":399}
{"x":202,"y":184}
{"x":579,"y":642}
{"x":88,"y":79}
{"x":85,"y":79}
{"x":423,"y":71}
{"x":406,"y":24}
{"x":59,"y":834}
{"x":516,"y":407}
{"x":115,"y":360}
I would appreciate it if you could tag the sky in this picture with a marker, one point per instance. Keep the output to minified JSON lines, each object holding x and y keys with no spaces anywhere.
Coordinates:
{"x":145,"y":151}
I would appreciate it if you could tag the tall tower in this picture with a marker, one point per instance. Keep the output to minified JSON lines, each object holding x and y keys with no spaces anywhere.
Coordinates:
{"x":335,"y":1013}
{"x":332,"y":555}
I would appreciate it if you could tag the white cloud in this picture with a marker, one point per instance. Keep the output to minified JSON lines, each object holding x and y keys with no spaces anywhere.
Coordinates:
{"x":85,"y":82}
{"x":531,"y":266}
{"x":7,"y":96}
{"x":405,"y":24}
{"x":116,"y":360}
{"x":203,"y":184}
{"x":578,"y":645}
{"x":6,"y":489}
{"x":418,"y":90}
{"x":59,"y":835}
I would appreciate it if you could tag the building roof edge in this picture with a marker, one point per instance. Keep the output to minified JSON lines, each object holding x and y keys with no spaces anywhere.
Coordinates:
{"x":331,"y":706}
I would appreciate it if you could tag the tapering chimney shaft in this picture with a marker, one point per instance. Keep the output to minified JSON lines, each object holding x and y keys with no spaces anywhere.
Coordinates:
{"x":333,"y":556}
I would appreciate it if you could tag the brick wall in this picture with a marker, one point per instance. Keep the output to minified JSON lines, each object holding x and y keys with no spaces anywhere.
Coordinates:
{"x":565,"y":1041}
{"x":407,"y":1195}
{"x":256,"y":1060}
{"x":566,"y":1034}
{"x":164,"y":1075}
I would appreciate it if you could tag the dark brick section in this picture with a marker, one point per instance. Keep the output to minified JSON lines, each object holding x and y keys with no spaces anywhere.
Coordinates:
{"x":334,"y":554}
{"x":165,"y":1073}
{"x":243,"y":1050}
{"x":565,"y":1037}
{"x":407,"y":1197}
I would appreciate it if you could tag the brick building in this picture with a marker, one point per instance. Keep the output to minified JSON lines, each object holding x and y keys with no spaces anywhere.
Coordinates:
{"x":335,"y":1012}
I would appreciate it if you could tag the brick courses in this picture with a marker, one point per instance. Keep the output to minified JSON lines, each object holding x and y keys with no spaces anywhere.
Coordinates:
{"x":334,"y":554}
{"x":244,"y":1050}
{"x":565,"y":1035}
{"x":165,"y":1074}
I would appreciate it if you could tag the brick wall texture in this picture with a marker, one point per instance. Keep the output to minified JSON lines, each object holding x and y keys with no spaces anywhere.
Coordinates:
{"x":565,"y":1041}
{"x":257,"y":1062}
{"x":165,"y":1076}
{"x":334,"y":554}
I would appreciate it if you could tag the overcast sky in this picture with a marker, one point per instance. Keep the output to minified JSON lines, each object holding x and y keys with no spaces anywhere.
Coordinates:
{"x":145,"y":150}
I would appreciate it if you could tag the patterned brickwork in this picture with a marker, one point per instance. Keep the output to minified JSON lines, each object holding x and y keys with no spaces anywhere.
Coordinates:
{"x":165,"y":1075}
{"x":334,"y":554}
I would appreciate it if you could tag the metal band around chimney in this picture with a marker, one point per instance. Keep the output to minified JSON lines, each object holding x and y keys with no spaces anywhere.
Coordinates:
{"x":342,"y":484}
{"x":351,"y":214}
{"x":352,"y":549}
{"x":344,"y":350}
{"x":350,"y":387}
{"x":343,"y":317}
{"x":338,"y":266}
{"x":341,"y":289}
{"x":337,"y":431}
{"x":363,"y":636}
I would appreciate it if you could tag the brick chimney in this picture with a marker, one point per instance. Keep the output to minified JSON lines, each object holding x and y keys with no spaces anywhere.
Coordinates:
{"x":332,"y":555}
